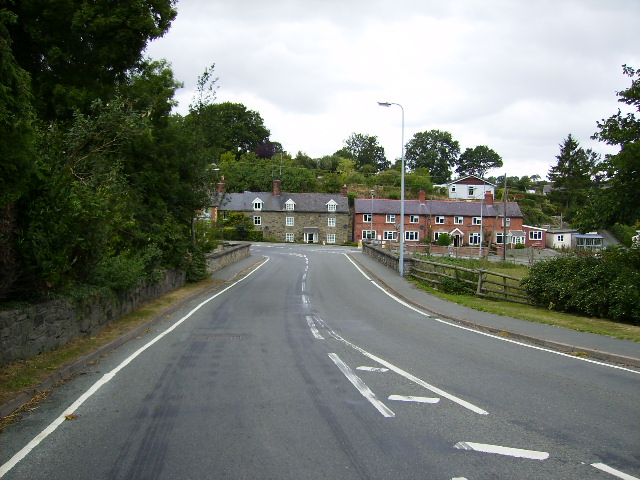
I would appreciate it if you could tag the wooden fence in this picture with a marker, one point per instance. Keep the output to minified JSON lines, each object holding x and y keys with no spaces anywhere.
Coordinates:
{"x":486,"y":283}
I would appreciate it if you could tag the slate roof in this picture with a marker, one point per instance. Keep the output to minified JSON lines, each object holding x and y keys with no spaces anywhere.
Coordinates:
{"x":437,"y":207}
{"x":304,"y":202}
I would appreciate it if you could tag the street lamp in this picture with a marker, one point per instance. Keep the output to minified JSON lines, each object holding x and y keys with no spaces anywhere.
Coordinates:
{"x":401,"y":266}
{"x":372,"y":193}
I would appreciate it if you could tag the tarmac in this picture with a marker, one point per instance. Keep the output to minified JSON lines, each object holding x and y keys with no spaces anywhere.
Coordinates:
{"x":600,"y":347}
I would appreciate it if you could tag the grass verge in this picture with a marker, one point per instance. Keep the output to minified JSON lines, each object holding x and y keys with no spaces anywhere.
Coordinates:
{"x":25,"y":375}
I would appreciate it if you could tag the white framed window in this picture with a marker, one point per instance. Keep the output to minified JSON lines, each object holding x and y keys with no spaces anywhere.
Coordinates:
{"x":391,"y":219}
{"x":288,"y":237}
{"x":517,"y":240}
{"x":499,"y":238}
{"x":290,"y":205}
{"x":366,"y":218}
{"x":390,"y":235}
{"x":471,"y":190}
{"x":257,"y":204}
{"x":331,"y":206}
{"x":560,"y":238}
{"x":414,"y":219}
{"x":368,"y":234}
{"x":474,"y":238}
{"x":506,"y":221}
{"x":437,"y":234}
{"x":477,"y":220}
{"x":331,"y":222}
{"x":331,"y":238}
{"x":257,"y":220}
{"x":412,"y":235}
{"x":458,"y":220}
{"x":439,"y":219}
{"x":290,"y":221}
{"x":535,"y":235}
{"x":453,"y":188}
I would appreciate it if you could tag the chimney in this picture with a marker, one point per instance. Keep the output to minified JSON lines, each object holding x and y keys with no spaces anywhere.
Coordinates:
{"x":345,"y":191}
{"x":277,"y":184}
{"x":422,"y":196}
{"x":221,"y":185}
{"x":488,"y":198}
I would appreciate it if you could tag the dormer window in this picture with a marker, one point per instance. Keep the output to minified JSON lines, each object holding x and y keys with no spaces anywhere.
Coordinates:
{"x":290,"y":205}
{"x":332,"y":205}
{"x":257,"y":204}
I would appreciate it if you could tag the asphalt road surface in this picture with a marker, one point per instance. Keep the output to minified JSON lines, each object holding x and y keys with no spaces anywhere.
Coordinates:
{"x":304,"y":368}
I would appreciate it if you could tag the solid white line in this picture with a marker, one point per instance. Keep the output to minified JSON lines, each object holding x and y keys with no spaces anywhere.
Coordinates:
{"x":313,"y":328}
{"x":613,"y":471}
{"x":496,"y":337}
{"x":406,"y":375}
{"x":373,"y":369}
{"x":361,"y":386}
{"x":105,"y":378}
{"x":511,"y":452}
{"x":409,"y":398}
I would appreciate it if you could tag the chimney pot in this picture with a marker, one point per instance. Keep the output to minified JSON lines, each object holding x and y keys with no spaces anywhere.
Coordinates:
{"x":488,"y":198}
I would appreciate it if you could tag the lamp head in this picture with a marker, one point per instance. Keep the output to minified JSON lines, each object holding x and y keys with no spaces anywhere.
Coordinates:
{"x":384,"y":104}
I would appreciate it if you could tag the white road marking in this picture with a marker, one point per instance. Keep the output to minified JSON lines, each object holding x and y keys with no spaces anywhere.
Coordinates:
{"x":479,"y":332}
{"x":409,"y":398}
{"x":511,"y":452}
{"x":373,"y":369}
{"x":406,"y":375}
{"x":458,"y":478}
{"x":313,"y":328}
{"x":361,"y":386}
{"x":108,"y":376}
{"x":613,"y":471}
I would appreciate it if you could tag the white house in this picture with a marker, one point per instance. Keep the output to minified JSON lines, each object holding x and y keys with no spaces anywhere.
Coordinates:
{"x":469,"y":188}
{"x":560,"y":238}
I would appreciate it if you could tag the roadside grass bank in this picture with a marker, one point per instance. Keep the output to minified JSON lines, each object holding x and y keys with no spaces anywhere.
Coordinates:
{"x":534,"y":314}
{"x":25,"y":375}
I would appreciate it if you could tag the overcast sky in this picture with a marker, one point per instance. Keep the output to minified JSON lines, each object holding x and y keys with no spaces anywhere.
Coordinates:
{"x":515,"y":75}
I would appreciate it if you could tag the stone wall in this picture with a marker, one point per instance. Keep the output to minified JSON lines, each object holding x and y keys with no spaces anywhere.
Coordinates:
{"x":387,"y":258}
{"x":229,"y":255}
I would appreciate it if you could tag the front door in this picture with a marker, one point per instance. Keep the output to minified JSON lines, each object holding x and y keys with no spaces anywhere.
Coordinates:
{"x":309,"y":238}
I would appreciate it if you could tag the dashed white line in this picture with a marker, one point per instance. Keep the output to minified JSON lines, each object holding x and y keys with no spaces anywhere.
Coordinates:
{"x":497,"y":449}
{"x":410,"y":398}
{"x":613,"y":471}
{"x":373,"y":369}
{"x":313,"y":328}
{"x":361,"y":386}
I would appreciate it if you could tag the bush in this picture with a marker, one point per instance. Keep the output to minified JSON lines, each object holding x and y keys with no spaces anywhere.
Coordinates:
{"x":444,"y":239}
{"x":455,"y":287}
{"x":623,"y":233}
{"x":605,"y":285}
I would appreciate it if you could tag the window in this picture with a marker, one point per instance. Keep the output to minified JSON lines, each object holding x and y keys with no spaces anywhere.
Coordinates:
{"x":458,"y":220}
{"x":331,"y":238}
{"x":288,"y":237}
{"x":499,"y":238}
{"x":517,"y":240}
{"x":290,"y":221}
{"x":366,"y":218}
{"x":390,"y":235}
{"x":368,"y":234}
{"x":477,"y":220}
{"x":471,"y":191}
{"x":453,"y":188}
{"x":474,"y":239}
{"x":414,"y":219}
{"x":412,"y":235}
{"x":331,"y":206}
{"x":331,"y":222}
{"x":391,"y":219}
{"x":257,"y":204}
{"x":437,"y":234}
{"x":507,"y":220}
{"x":535,"y":235}
{"x":440,"y":219}
{"x":561,"y":238}
{"x":257,"y":220}
{"x":290,"y":205}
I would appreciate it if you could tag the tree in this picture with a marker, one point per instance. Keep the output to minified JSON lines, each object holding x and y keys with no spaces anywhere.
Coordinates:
{"x":575,"y":168}
{"x":364,"y":150}
{"x":477,"y":160}
{"x":620,"y":202}
{"x":435,"y":150}
{"x":77,"y":51}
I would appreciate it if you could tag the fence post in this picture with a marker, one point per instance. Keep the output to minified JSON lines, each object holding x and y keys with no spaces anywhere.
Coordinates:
{"x":480,"y":273}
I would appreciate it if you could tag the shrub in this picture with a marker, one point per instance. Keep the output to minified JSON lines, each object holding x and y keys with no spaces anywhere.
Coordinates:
{"x":456,"y":287}
{"x":444,"y":239}
{"x":623,"y":233}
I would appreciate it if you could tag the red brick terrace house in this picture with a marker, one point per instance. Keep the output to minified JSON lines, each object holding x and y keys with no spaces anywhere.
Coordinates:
{"x":426,"y":220}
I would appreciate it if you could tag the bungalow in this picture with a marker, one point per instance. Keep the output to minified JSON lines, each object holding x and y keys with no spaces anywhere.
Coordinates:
{"x":534,"y":236}
{"x":560,"y":238}
{"x":467,"y":223}
{"x":290,"y":217}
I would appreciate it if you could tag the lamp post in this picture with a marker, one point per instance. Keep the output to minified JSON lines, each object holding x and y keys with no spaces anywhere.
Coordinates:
{"x":371,"y":218}
{"x":401,"y":266}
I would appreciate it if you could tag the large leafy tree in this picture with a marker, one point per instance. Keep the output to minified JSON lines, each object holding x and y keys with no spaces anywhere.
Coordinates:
{"x":435,"y":150}
{"x":620,"y":202}
{"x":477,"y":160}
{"x":365,"y":151}
{"x":78,"y":51}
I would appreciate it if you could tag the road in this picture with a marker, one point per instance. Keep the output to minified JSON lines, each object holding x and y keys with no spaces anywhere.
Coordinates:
{"x":304,"y":368}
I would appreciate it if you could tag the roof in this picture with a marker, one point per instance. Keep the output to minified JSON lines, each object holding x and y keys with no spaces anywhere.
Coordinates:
{"x":437,"y":207}
{"x":304,"y":202}
{"x":467,"y":177}
{"x":588,"y":235}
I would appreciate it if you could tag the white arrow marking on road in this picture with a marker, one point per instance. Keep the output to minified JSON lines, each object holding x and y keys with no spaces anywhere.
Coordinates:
{"x":373,"y":369}
{"x":613,"y":471}
{"x":511,"y":452}
{"x":409,"y":398}
{"x":361,"y":386}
